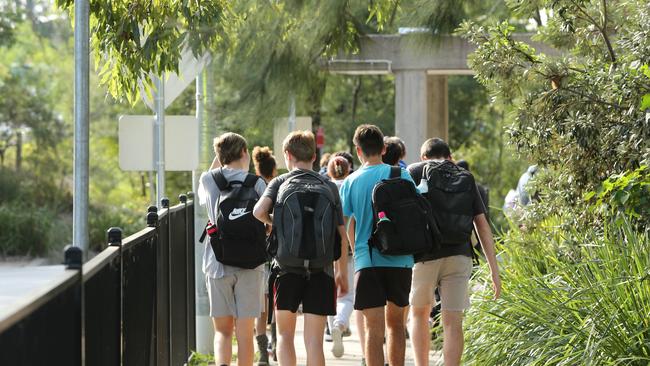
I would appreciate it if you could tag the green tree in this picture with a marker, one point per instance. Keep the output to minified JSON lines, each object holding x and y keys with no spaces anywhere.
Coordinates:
{"x":578,"y":113}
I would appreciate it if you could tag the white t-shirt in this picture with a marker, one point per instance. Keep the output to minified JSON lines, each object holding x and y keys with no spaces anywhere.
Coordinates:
{"x":208,"y":193}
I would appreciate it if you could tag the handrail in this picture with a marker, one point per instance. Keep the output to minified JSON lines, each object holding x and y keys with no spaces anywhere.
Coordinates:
{"x":138,"y":237}
{"x":29,"y":303}
{"x":94,"y":265}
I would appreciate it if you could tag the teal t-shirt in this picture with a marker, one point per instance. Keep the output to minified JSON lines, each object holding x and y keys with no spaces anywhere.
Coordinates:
{"x":356,"y":198}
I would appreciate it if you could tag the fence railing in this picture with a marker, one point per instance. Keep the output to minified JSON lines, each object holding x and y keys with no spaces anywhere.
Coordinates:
{"x":132,"y":304}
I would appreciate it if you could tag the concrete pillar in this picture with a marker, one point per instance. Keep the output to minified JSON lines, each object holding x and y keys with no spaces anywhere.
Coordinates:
{"x":438,"y":107}
{"x":421,"y":110}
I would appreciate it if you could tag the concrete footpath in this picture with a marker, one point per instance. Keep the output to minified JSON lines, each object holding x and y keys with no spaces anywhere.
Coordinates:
{"x":352,"y":354}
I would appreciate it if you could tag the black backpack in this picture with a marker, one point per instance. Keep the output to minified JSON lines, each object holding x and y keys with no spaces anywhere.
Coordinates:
{"x":410,"y":228}
{"x":305,"y":224}
{"x":240,"y":238}
{"x":451,"y":192}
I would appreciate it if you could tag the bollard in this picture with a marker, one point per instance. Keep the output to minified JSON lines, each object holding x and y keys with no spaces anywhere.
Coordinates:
{"x":114,"y":237}
{"x":152,"y":219}
{"x":152,"y":208}
{"x":164,"y":202}
{"x":182,"y":198}
{"x":73,"y":257}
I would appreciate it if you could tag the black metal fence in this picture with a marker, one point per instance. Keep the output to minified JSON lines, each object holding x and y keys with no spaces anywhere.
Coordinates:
{"x":132,"y":304}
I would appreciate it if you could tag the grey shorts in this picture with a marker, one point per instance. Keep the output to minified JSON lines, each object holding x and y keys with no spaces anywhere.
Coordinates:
{"x":239,"y":294}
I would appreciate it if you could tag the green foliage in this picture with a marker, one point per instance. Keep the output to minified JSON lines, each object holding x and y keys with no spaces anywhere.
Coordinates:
{"x":132,"y":39}
{"x":625,"y":195}
{"x":199,"y":359}
{"x":577,"y":113}
{"x":102,"y":217}
{"x":571,"y":297}
{"x":26,"y":230}
{"x":8,"y":23}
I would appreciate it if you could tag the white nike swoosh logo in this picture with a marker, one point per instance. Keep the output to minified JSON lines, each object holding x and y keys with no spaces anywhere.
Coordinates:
{"x":236,"y":216}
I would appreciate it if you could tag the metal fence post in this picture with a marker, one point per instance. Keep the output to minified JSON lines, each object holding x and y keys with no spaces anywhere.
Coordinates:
{"x":73,"y":259}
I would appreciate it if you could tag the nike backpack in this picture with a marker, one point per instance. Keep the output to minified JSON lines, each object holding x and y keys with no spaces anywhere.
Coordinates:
{"x":240,"y":239}
{"x":451,"y":193}
{"x":304,"y":224}
{"x":407,"y":226}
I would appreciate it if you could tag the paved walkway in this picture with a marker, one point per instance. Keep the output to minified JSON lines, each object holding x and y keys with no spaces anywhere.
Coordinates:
{"x":352,"y":355}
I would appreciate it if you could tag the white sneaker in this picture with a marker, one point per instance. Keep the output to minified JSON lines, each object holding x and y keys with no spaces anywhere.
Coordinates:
{"x":337,"y":339}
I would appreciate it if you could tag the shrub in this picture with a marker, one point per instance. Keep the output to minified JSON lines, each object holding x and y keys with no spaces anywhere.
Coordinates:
{"x":103,"y":217}
{"x":25,"y":230}
{"x":571,"y":297}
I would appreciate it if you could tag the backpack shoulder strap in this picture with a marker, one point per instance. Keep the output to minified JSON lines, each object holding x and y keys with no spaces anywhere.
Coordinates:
{"x":250,"y":181}
{"x":219,"y":179}
{"x":395,"y":172}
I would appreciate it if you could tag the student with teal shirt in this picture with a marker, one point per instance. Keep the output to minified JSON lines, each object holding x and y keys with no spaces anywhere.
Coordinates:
{"x":383,"y":282}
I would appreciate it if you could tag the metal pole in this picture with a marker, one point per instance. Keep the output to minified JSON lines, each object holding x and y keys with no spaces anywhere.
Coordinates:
{"x":159,"y":137}
{"x":81,"y":117}
{"x":199,"y":119}
{"x":292,"y":113}
{"x":204,"y":332}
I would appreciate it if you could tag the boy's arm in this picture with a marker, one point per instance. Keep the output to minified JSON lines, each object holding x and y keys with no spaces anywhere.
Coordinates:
{"x":262,"y":209}
{"x":341,"y":265}
{"x":350,"y":223}
{"x":487,"y":243}
{"x":215,"y":163}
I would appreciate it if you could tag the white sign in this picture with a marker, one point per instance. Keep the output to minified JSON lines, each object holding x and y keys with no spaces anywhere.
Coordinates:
{"x":181,"y":143}
{"x":189,"y":68}
{"x":281,"y":130}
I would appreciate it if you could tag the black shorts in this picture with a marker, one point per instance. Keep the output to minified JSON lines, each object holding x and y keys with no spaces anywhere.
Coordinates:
{"x":376,"y":285}
{"x":317,"y":294}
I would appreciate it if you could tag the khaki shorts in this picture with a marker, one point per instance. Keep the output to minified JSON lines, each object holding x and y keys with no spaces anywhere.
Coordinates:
{"x":450,"y":275}
{"x":239,"y":294}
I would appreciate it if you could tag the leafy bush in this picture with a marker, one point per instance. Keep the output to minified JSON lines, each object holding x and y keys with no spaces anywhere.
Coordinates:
{"x":625,"y":195}
{"x":103,"y":217}
{"x":571,"y":297}
{"x":26,"y":231}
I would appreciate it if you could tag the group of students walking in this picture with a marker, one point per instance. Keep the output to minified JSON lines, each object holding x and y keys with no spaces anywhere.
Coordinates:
{"x":375,"y":240}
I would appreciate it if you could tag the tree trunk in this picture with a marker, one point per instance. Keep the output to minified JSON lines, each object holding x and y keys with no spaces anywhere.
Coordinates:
{"x":19,"y":150}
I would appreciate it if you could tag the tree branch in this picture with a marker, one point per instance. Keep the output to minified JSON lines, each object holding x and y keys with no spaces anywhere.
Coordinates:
{"x":602,"y":29}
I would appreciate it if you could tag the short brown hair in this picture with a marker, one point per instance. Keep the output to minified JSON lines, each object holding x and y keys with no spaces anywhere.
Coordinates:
{"x":228,"y":147}
{"x":324,"y":159}
{"x":394,"y":150}
{"x":370,"y":139}
{"x":300,"y":144}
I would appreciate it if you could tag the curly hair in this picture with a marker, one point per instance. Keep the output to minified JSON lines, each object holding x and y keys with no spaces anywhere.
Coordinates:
{"x":264,"y":162}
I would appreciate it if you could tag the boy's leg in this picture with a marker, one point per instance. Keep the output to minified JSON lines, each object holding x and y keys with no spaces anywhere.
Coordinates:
{"x":452,"y":326}
{"x":375,"y":327}
{"x":244,"y":330}
{"x":222,"y":311}
{"x":424,"y":282}
{"x":361,"y":331}
{"x":260,"y":322}
{"x":223,"y":327}
{"x":261,"y":338}
{"x":314,"y":327}
{"x":420,"y":333}
{"x":286,"y":329}
{"x":396,"y":340}
{"x":248,"y":301}
{"x":455,"y":273}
